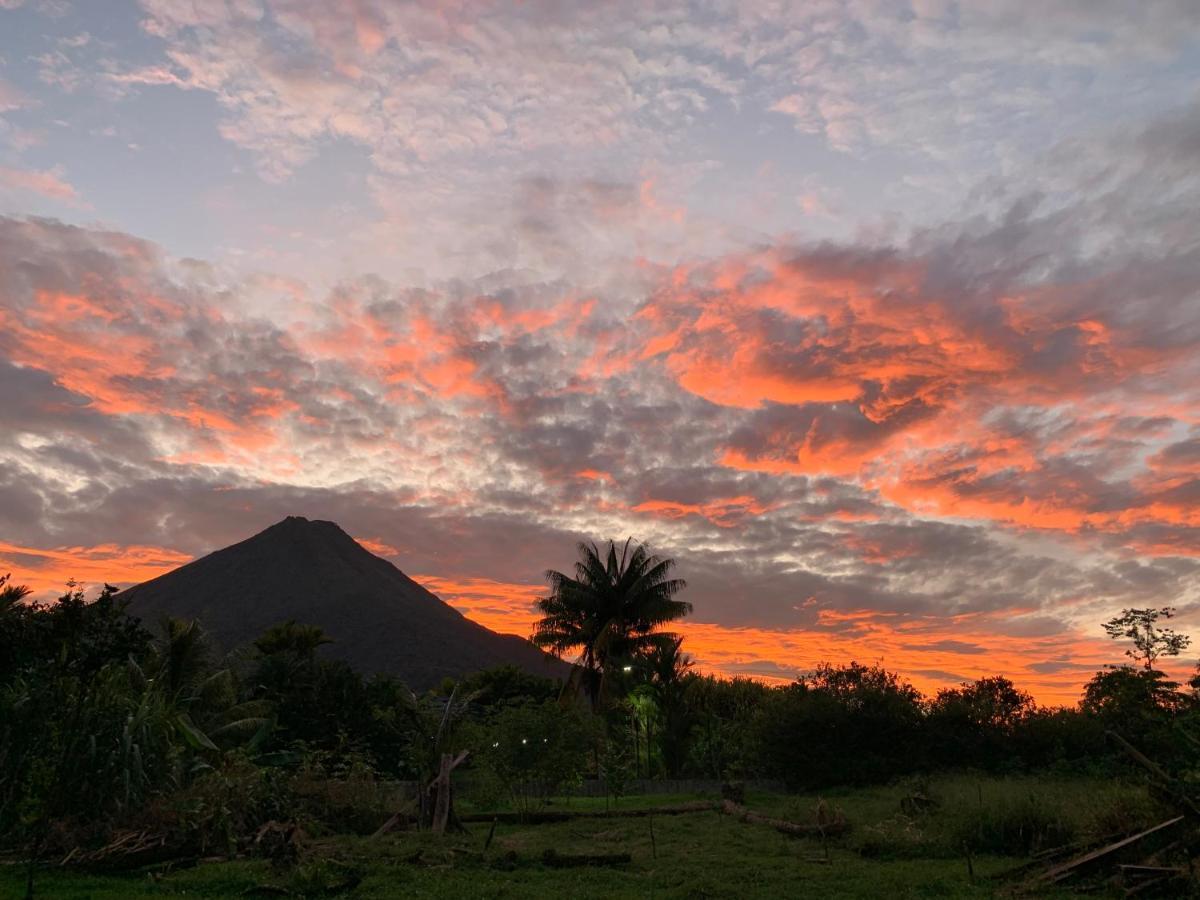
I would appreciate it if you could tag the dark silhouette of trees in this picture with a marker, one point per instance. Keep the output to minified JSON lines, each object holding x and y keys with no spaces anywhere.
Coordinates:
{"x":207,"y":696}
{"x":977,"y":721}
{"x":100,"y":719}
{"x":610,"y":610}
{"x":667,"y":668}
{"x":1149,"y":640}
{"x":721,"y":713}
{"x":1139,"y":704}
{"x":321,"y":702}
{"x":847,"y":724}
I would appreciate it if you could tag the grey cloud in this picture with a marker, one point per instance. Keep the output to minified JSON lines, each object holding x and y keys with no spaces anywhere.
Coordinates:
{"x":948,"y":646}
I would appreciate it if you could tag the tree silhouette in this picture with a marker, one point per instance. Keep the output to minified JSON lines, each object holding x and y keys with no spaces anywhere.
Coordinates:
{"x":1149,"y":641}
{"x":668,"y":669}
{"x":610,"y":610}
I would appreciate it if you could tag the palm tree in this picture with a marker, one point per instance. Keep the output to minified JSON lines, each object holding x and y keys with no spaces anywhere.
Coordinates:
{"x":609,"y":610}
{"x":210,"y":714}
{"x":668,"y":669}
{"x":667,"y":664}
{"x":11,"y":594}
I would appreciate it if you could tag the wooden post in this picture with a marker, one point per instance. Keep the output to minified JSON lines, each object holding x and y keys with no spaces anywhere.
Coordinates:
{"x":491,"y":834}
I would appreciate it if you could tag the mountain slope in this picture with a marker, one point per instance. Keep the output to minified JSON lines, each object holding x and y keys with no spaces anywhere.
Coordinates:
{"x":312,"y":571}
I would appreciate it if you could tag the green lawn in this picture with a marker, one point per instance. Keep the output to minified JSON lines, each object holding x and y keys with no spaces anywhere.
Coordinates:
{"x":696,"y":855}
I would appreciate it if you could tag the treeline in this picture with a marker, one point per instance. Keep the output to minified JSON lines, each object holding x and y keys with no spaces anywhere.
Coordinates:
{"x":105,"y":724}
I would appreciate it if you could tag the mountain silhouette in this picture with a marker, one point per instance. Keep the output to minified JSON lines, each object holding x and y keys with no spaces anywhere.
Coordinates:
{"x":380,"y":620}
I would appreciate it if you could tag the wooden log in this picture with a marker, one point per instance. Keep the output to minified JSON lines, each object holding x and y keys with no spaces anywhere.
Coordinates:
{"x":556,"y":860}
{"x":1134,"y":753}
{"x":783,"y":825}
{"x":1069,"y":868}
{"x":1143,"y":871}
{"x":1169,"y":786}
{"x":546,"y":816}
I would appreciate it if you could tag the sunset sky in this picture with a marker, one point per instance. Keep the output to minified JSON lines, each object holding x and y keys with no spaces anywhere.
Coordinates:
{"x":882,"y":318}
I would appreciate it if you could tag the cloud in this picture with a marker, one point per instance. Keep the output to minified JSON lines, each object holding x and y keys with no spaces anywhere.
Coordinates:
{"x":452,"y":425}
{"x":423,"y":84}
{"x":10,"y":97}
{"x":950,"y":646}
{"x":47,"y":183}
{"x":954,"y":450}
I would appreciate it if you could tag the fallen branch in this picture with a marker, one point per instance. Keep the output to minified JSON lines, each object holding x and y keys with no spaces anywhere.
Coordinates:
{"x":129,"y":850}
{"x":783,"y":825}
{"x":543,"y":817}
{"x":400,"y":819}
{"x":1164,"y":782}
{"x":556,"y":860}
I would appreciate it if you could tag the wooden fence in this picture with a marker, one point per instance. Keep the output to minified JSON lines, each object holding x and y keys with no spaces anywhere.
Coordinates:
{"x":596,"y":787}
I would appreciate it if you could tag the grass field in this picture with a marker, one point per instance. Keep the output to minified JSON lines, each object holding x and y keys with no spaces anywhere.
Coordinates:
{"x":697,"y":855}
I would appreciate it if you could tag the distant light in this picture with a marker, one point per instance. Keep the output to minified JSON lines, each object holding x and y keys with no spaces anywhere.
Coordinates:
{"x":629,"y":668}
{"x":523,"y":741}
{"x":495,"y":744}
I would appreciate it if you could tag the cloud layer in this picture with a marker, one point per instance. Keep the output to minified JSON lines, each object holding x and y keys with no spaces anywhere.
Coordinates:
{"x":952,"y":426}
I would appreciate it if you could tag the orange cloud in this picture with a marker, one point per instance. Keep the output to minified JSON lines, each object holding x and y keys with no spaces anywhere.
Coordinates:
{"x":47,"y":571}
{"x":500,"y":606}
{"x":849,"y":364}
{"x":930,"y":652}
{"x":378,"y":547}
{"x":725,"y":512}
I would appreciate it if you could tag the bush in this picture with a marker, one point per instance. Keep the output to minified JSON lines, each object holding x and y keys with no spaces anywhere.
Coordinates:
{"x":343,"y":791}
{"x":531,"y":750}
{"x":899,"y":837}
{"x":222,"y":809}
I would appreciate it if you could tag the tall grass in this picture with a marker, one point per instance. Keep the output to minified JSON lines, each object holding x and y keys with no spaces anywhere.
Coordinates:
{"x":1013,"y":816}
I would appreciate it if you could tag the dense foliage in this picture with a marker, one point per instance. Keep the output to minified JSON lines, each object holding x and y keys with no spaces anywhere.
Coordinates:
{"x":105,"y":722}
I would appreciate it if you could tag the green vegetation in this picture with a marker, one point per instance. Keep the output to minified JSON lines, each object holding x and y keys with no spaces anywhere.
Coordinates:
{"x":128,"y":752}
{"x":693,"y":855}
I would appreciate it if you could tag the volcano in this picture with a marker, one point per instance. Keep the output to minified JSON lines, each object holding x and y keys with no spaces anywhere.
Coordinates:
{"x":379,"y":619}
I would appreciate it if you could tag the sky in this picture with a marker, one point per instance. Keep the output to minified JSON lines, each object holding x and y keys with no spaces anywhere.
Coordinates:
{"x":881,"y":318}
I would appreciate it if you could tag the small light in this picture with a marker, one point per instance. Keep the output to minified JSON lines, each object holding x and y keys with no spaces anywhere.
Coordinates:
{"x":629,"y":668}
{"x":523,"y":741}
{"x":495,"y":744}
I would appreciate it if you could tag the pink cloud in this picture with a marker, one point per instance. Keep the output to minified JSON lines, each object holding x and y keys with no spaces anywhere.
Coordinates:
{"x":48,"y":183}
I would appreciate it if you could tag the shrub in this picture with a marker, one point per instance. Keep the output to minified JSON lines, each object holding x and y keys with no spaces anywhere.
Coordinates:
{"x":532,"y":750}
{"x":223,"y":808}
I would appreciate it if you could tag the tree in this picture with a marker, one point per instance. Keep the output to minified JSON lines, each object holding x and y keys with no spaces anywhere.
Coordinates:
{"x":318,"y":701}
{"x":1123,"y":693}
{"x":610,"y":610}
{"x":206,"y":697}
{"x":721,"y":713}
{"x":1142,"y":705}
{"x":974,"y":724}
{"x":850,"y":724}
{"x":1149,"y":641}
{"x":532,"y":750}
{"x":11,"y":594}
{"x":668,"y":669}
{"x":504,"y":685}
